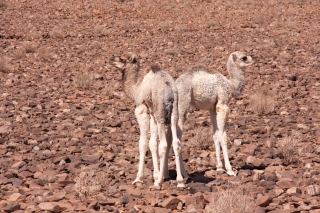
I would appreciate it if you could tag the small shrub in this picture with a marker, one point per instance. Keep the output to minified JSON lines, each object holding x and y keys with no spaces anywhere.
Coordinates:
{"x":3,"y":4}
{"x":84,"y":80}
{"x":29,"y":48}
{"x":300,"y":2}
{"x":202,"y":138}
{"x":263,"y":101}
{"x":122,"y":1}
{"x":213,"y":23}
{"x":95,"y":45}
{"x":171,"y":52}
{"x":4,"y":65}
{"x":108,"y":91}
{"x":56,"y":33}
{"x":89,"y":182}
{"x":32,"y":35}
{"x":101,"y":30}
{"x":20,"y":54}
{"x":164,"y":25}
{"x":260,"y":19}
{"x":231,"y":200}
{"x":288,"y":148}
{"x":45,"y":55}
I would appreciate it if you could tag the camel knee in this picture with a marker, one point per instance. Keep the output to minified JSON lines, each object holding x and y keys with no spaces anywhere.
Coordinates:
{"x":153,"y":146}
{"x":162,"y":149}
{"x":177,"y":147}
{"x":216,"y":137}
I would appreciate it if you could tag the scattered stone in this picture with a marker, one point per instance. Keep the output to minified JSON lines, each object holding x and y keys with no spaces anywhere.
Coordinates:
{"x":11,"y":207}
{"x":50,"y":206}
{"x":294,"y":190}
{"x":263,"y":200}
{"x":285,"y":183}
{"x":149,"y":209}
{"x":199,"y":187}
{"x":171,"y":203}
{"x":197,"y":200}
{"x":237,"y":142}
{"x":124,"y":200}
{"x":31,"y":209}
{"x":313,"y":190}
{"x":14,"y":197}
{"x":191,"y":209}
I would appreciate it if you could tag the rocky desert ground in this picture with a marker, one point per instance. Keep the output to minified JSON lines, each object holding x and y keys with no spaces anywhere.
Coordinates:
{"x":69,"y":137}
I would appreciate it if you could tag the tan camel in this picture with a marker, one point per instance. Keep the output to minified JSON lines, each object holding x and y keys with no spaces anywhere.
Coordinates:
{"x":212,"y":91}
{"x":155,"y":96}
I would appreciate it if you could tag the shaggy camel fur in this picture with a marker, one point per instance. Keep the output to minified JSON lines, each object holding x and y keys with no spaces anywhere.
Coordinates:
{"x":213,"y":91}
{"x":155,"y":96}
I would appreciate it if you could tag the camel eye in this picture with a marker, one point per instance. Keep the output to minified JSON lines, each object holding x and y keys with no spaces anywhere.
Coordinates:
{"x":244,"y":58}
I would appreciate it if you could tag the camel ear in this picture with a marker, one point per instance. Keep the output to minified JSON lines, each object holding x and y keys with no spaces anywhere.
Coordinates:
{"x":118,"y":64}
{"x":132,"y":58}
{"x":116,"y":61}
{"x":234,"y":57}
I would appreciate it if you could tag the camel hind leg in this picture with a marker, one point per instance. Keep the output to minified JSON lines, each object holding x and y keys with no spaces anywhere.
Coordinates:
{"x":153,"y":146}
{"x":141,"y":113}
{"x":169,"y":143}
{"x":162,"y":154}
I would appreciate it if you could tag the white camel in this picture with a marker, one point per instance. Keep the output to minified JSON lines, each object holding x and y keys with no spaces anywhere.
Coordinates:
{"x":155,"y":96}
{"x":212,"y":91}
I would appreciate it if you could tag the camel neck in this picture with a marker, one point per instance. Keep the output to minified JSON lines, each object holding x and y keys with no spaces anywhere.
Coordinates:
{"x":130,"y":79}
{"x":237,"y":78}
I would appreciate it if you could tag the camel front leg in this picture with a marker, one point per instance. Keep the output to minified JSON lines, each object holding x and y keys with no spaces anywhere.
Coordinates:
{"x":216,"y":139}
{"x":222,"y":116}
{"x":141,"y":113}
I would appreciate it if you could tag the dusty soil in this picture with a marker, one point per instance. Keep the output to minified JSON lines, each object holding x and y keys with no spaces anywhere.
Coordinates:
{"x":51,"y":125}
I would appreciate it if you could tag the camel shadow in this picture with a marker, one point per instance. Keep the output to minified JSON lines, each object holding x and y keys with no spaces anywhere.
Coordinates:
{"x":195,"y":177}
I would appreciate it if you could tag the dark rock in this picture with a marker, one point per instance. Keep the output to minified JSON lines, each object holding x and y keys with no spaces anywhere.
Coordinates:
{"x":11,"y":207}
{"x":199,"y":187}
{"x":124,"y":200}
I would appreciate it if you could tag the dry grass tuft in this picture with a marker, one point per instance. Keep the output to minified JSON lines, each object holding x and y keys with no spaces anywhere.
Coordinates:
{"x":101,"y":30}
{"x":89,"y":182}
{"x":3,"y":4}
{"x":45,"y":55}
{"x":84,"y":80}
{"x":288,"y":147}
{"x":32,"y":35}
{"x":202,"y":138}
{"x":262,"y":101}
{"x":300,"y":2}
{"x":4,"y":66}
{"x":20,"y":54}
{"x":171,"y":52}
{"x":95,"y":45}
{"x":231,"y":200}
{"x":29,"y":48}
{"x":56,"y":33}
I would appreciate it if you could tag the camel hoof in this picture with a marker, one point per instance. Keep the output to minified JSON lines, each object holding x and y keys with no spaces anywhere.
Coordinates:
{"x":181,"y":185}
{"x":231,"y":173}
{"x":155,"y":187}
{"x":137,"y":181}
{"x":220,"y":171}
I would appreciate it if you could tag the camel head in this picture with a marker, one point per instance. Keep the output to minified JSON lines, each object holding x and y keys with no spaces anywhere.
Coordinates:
{"x":240,"y":59}
{"x":126,"y":63}
{"x":122,"y":61}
